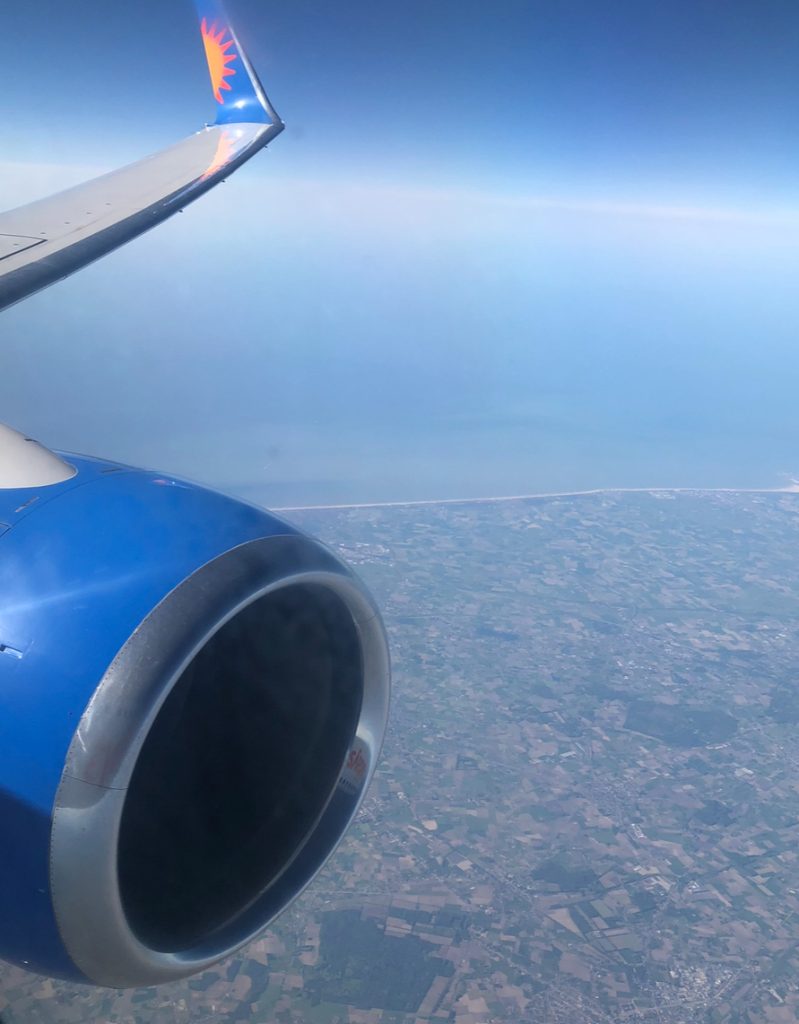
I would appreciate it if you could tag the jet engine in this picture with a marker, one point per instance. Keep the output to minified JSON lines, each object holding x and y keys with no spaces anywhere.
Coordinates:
{"x":193,"y":695}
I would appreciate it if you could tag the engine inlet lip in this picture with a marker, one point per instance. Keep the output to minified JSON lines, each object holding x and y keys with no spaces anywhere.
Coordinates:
{"x":102,"y":756}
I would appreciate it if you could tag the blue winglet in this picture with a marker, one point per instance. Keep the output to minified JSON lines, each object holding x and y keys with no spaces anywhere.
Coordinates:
{"x":239,"y":95}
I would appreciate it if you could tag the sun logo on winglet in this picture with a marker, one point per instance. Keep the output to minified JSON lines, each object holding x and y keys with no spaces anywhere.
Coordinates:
{"x":216,"y":53}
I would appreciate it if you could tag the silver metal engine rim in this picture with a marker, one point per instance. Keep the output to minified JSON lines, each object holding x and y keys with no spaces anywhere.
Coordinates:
{"x":89,"y":803}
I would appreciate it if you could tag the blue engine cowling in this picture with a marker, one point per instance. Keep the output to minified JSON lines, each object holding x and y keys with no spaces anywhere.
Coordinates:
{"x":193,"y":695}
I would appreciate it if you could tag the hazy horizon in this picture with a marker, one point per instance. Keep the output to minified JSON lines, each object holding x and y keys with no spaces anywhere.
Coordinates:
{"x":562,"y":256}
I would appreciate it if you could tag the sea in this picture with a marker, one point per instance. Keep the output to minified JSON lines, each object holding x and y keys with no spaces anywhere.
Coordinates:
{"x":360,"y":344}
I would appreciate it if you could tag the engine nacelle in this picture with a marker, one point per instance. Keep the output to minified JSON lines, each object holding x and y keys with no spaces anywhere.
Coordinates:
{"x":193,"y":696}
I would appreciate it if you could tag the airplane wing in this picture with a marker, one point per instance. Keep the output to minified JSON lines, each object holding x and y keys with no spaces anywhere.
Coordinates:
{"x":44,"y":241}
{"x":193,"y":694}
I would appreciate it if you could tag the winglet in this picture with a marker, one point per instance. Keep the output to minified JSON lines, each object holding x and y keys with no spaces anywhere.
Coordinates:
{"x":46,"y":240}
{"x":239,"y":95}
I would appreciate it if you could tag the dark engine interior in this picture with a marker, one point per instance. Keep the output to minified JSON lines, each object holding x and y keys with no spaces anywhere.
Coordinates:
{"x":238,"y":766}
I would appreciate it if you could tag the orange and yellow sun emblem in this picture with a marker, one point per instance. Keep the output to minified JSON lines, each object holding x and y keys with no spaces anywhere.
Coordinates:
{"x":216,"y":52}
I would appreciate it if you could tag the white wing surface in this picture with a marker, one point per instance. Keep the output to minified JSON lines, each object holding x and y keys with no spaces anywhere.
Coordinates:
{"x":44,"y":241}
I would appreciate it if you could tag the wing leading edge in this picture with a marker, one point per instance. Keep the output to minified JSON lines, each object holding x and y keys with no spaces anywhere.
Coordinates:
{"x":49,"y":239}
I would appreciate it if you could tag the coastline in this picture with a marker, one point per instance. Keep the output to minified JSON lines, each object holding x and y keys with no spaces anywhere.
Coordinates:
{"x":792,"y":488}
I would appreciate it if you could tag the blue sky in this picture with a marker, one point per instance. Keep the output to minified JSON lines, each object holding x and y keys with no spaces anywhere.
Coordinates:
{"x":499,"y":248}
{"x":691,"y":95}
